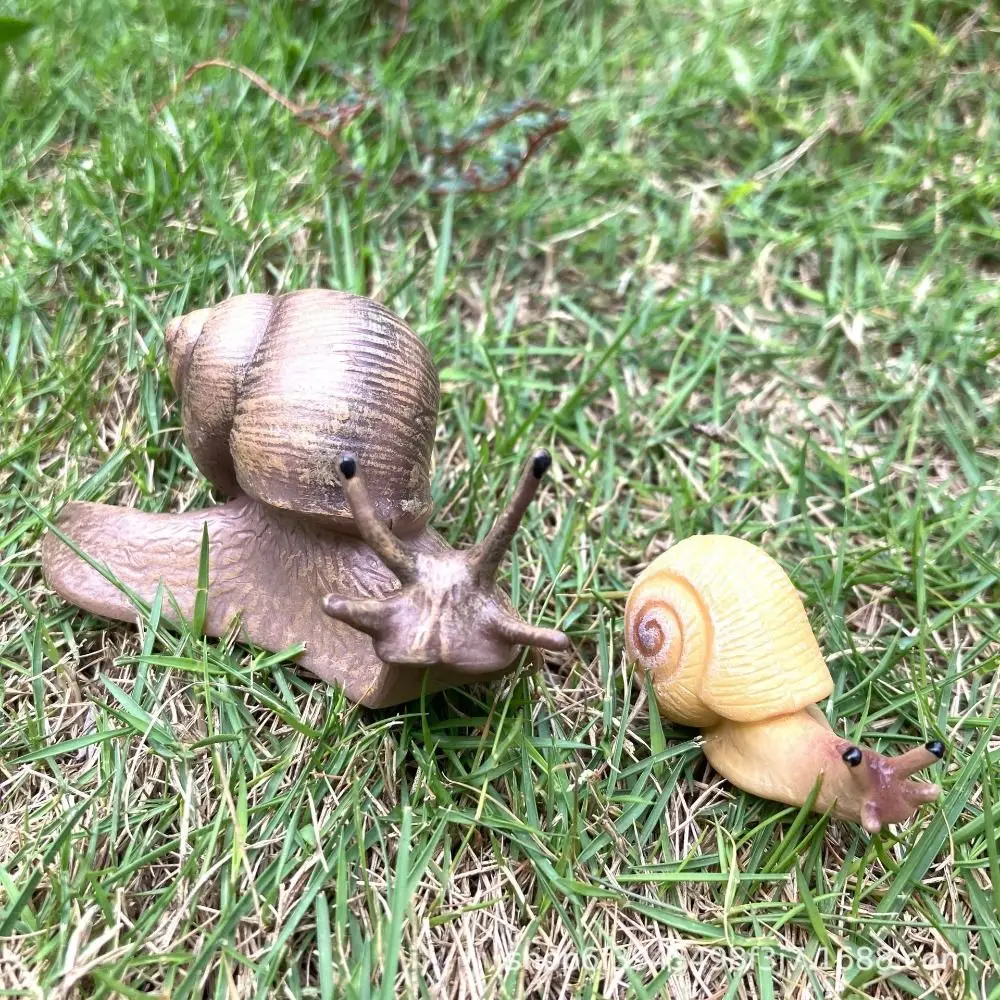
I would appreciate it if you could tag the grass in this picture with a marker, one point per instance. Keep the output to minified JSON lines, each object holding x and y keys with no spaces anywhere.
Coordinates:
{"x":752,"y":288}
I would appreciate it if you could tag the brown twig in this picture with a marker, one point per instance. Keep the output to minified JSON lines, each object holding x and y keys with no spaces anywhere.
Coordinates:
{"x":328,"y":121}
{"x":402,"y":22}
{"x":254,"y":78}
{"x":474,"y":180}
{"x":301,"y":113}
{"x":497,"y":122}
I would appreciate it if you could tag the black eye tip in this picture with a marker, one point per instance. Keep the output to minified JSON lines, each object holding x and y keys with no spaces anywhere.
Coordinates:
{"x":936,"y":747}
{"x":349,"y":466}
{"x":851,"y":756}
{"x":540,"y":463}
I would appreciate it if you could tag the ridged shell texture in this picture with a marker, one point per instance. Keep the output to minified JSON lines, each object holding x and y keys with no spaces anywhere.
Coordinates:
{"x":275,"y":390}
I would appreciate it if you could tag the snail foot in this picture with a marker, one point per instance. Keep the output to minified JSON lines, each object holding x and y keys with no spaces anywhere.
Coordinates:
{"x":268,"y":573}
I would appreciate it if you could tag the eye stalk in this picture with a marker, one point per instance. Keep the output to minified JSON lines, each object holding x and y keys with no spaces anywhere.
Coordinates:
{"x":852,"y":756}
{"x":449,"y":609}
{"x":540,"y":464}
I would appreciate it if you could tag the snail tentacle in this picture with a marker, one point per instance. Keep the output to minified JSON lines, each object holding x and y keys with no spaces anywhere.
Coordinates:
{"x":365,"y":614}
{"x":446,"y":610}
{"x":382,"y":541}
{"x":486,"y":557}
{"x":523,"y":634}
{"x":917,"y":759}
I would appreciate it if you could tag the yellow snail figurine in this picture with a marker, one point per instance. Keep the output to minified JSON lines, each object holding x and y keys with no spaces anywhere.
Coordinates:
{"x":723,"y":634}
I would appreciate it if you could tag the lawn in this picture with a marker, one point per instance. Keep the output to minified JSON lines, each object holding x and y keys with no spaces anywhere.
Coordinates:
{"x":751,"y":287}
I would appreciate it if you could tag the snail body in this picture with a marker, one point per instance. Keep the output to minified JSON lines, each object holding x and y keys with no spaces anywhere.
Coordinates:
{"x":722,"y":633}
{"x":315,"y":411}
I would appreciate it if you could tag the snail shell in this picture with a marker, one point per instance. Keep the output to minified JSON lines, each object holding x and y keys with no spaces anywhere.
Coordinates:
{"x":276,"y":389}
{"x":722,"y":632}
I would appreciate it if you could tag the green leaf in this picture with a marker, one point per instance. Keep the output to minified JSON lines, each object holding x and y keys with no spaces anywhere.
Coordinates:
{"x":157,"y":731}
{"x":401,"y":891}
{"x":201,"y":594}
{"x":740,"y":192}
{"x":926,"y":34}
{"x":812,"y":910}
{"x":742,"y":73}
{"x":71,"y":746}
{"x":12,"y":28}
{"x":657,"y":741}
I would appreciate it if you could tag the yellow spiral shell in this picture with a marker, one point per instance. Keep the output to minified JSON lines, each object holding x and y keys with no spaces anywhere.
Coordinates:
{"x":722,"y":632}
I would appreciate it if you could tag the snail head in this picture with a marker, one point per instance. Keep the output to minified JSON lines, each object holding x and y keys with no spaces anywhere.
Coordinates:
{"x":883,"y":787}
{"x":449,"y":609}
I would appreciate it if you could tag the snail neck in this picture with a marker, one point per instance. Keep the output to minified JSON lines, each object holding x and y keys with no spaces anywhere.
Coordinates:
{"x":414,"y":528}
{"x":780,"y":758}
{"x":783,"y":757}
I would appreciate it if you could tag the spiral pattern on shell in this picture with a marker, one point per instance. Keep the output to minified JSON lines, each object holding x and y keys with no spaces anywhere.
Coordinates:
{"x":208,"y":352}
{"x":668,"y":635}
{"x":275,"y":389}
{"x":656,"y":634}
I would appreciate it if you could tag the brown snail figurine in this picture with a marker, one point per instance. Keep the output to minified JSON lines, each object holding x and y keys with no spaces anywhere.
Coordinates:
{"x":316,"y":412}
{"x":723,"y":635}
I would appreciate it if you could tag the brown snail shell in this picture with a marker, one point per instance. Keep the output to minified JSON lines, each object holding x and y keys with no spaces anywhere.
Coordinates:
{"x":275,"y":389}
